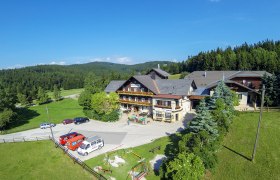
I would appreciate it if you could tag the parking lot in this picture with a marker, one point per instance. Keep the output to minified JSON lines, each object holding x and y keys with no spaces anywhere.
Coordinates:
{"x":115,"y":134}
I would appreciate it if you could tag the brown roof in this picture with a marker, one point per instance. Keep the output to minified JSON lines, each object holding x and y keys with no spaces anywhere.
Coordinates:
{"x":167,"y":96}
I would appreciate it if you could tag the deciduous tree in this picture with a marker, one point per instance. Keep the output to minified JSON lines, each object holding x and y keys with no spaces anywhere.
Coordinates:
{"x":185,"y":166}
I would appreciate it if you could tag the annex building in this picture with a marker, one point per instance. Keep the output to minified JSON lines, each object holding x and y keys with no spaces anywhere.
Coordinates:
{"x":246,"y":84}
{"x":169,"y":100}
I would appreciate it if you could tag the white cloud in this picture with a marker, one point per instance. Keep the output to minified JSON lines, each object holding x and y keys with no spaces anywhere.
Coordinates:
{"x":15,"y":66}
{"x":114,"y":59}
{"x":124,"y":60}
{"x":58,"y":63}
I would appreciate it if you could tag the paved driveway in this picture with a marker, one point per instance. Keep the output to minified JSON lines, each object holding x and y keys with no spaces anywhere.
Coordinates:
{"x":116,"y":135}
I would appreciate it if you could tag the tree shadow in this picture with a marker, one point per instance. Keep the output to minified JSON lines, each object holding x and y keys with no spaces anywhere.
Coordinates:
{"x":187,"y":118}
{"x":24,"y":115}
{"x":157,"y":165}
{"x":172,"y":149}
{"x":245,"y":157}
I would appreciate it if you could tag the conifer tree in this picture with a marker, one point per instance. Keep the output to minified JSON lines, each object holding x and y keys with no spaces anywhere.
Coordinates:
{"x":42,"y":96}
{"x":203,"y":121}
{"x":56,"y":93}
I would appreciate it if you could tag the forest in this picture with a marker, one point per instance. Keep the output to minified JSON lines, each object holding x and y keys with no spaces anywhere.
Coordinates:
{"x":261,"y":56}
{"x":28,"y":80}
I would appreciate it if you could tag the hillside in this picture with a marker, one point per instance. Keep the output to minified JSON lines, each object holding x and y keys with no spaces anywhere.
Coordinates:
{"x":28,"y":79}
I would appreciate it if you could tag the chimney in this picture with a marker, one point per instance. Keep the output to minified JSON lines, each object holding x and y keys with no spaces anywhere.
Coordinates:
{"x":158,"y":66}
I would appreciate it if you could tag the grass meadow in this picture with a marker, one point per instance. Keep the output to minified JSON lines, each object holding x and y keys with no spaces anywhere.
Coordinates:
{"x":38,"y":160}
{"x":33,"y":116}
{"x":235,"y":154}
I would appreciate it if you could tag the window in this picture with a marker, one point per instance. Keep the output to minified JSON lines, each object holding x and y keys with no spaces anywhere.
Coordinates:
{"x":159,"y":114}
{"x":239,"y":96}
{"x":128,"y":89}
{"x":135,"y":89}
{"x":136,"y":98}
{"x":142,"y":90}
{"x":129,"y":98}
{"x":143,"y":99}
{"x":124,"y":98}
{"x":123,"y":89}
{"x":167,"y":115}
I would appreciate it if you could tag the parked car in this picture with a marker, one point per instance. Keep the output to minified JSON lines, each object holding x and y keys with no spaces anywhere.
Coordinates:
{"x":67,"y":121}
{"x":90,"y":144}
{"x":75,"y":142}
{"x":79,"y":120}
{"x":64,"y":138}
{"x":46,"y":125}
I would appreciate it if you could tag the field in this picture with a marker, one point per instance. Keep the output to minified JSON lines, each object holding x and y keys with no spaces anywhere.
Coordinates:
{"x":34,"y":116}
{"x":235,"y":154}
{"x":174,"y":76}
{"x":131,"y":159}
{"x":37,"y":160}
{"x":67,"y":92}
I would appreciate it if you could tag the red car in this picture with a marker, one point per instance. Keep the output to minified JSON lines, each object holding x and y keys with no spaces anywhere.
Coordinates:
{"x":67,"y":121}
{"x":64,"y":138}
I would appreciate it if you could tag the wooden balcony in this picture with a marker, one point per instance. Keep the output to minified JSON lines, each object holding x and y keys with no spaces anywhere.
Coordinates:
{"x":137,"y":93}
{"x":140,"y":103}
{"x":162,"y":106}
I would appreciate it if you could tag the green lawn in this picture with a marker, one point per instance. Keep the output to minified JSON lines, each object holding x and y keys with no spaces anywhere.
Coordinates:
{"x":67,"y":92}
{"x":38,"y":160}
{"x":240,"y":142}
{"x":34,"y":116}
{"x":131,"y":160}
{"x":174,"y":76}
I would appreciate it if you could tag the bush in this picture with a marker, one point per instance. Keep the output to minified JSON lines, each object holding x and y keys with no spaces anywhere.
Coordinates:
{"x":110,"y":117}
{"x":92,"y":114}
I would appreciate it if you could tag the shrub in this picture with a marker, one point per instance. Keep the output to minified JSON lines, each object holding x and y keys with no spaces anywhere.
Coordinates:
{"x":111,"y":117}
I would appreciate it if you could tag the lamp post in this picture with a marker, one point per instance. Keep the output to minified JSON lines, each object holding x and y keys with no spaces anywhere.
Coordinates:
{"x":259,"y":124}
{"x":49,"y":121}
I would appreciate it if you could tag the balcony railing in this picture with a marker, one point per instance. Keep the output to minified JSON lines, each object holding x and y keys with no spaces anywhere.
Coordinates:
{"x":162,"y":106}
{"x":136,"y":93}
{"x":135,"y":102}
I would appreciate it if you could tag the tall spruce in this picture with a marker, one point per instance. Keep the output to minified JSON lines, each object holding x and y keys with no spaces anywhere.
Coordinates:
{"x":42,"y":96}
{"x":56,"y":93}
{"x":203,"y":121}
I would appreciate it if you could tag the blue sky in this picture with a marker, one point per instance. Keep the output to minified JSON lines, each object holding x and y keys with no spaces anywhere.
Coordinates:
{"x":128,"y":31}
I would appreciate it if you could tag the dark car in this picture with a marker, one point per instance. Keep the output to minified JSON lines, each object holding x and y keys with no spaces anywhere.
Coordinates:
{"x":64,"y":138}
{"x":79,"y":120}
{"x":67,"y":121}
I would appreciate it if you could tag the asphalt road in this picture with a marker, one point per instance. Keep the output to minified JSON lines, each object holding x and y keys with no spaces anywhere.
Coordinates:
{"x":116,"y":134}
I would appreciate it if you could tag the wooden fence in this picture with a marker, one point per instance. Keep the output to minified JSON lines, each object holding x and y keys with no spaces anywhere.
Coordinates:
{"x":78,"y":161}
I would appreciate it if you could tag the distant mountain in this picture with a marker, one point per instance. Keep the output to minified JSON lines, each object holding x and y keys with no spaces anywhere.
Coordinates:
{"x":101,"y":67}
{"x":28,"y":79}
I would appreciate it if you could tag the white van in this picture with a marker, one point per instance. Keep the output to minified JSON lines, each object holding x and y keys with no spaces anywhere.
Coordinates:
{"x":90,"y":144}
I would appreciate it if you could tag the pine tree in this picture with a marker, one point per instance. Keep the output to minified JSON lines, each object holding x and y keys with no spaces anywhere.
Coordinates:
{"x":223,"y":92}
{"x":22,"y":99}
{"x":56,"y":93}
{"x":203,"y":121}
{"x":42,"y":96}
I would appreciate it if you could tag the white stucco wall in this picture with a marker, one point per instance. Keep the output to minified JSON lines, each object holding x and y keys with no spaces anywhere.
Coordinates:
{"x":243,"y":101}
